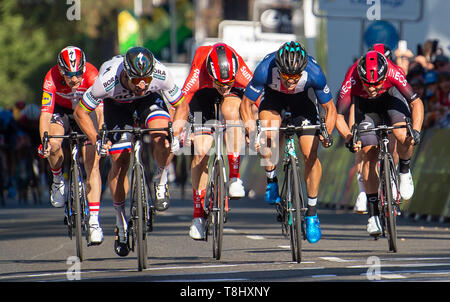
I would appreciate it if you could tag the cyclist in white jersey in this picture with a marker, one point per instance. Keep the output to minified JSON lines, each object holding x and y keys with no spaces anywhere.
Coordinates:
{"x":134,"y":82}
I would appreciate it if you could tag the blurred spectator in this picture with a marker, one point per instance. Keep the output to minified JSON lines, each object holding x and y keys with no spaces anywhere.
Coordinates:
{"x":18,"y":107}
{"x":441,"y":63}
{"x":437,"y":97}
{"x":426,"y":55}
{"x":418,"y":84}
{"x":403,"y":58}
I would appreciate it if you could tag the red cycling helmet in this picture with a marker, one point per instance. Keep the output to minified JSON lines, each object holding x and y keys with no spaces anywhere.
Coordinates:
{"x":72,"y":61}
{"x":381,"y":48}
{"x":372,"y":67}
{"x":222,"y":63}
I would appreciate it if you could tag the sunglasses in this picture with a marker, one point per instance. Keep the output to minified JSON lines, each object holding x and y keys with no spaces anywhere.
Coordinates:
{"x":136,"y":81}
{"x":287,"y":77}
{"x":77,"y":74}
{"x":229,"y":84}
{"x":376,"y":85}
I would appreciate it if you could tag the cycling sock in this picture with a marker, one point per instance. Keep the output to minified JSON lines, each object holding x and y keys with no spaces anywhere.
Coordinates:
{"x":233,"y":162}
{"x":93,"y":212}
{"x":199,"y":200}
{"x":312,"y":202}
{"x":162,"y":175}
{"x":404,"y":165}
{"x":57,"y":174}
{"x":121,"y":220}
{"x":372,"y":204}
{"x":271,"y":175}
{"x":360,"y":183}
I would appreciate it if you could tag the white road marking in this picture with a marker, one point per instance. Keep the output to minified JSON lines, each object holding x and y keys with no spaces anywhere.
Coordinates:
{"x":336,"y":259}
{"x":255,"y":237}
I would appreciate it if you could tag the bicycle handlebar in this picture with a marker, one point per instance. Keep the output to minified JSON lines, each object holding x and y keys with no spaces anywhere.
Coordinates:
{"x":381,"y":128}
{"x":291,"y":129}
{"x":136,"y":131}
{"x":72,"y":136}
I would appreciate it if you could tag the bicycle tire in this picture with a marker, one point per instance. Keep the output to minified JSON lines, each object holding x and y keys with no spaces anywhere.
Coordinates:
{"x":388,"y":206}
{"x":295,"y":213}
{"x":218,"y":208}
{"x":282,"y":208}
{"x":140,"y":218}
{"x":77,"y":212}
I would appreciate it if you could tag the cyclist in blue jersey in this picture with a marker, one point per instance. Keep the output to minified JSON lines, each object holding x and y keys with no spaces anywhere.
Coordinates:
{"x":283,"y":80}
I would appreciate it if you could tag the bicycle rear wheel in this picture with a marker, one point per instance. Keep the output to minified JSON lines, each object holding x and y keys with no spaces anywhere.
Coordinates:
{"x":294,"y":210}
{"x":77,"y":212}
{"x":218,"y":208}
{"x":388,"y":205}
{"x":140,"y":216}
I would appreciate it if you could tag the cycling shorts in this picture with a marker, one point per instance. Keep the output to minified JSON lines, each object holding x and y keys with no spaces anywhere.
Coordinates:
{"x":386,"y":110}
{"x":303,"y":110}
{"x":120,"y":116}
{"x":202,"y":108}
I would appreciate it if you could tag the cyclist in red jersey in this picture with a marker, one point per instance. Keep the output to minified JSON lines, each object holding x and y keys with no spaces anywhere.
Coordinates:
{"x":361,"y":200}
{"x":63,"y":87}
{"x":217,"y":73}
{"x":381,"y":94}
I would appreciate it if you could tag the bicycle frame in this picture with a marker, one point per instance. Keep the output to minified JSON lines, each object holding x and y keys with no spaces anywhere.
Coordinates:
{"x":216,"y":199}
{"x":388,"y":176}
{"x":141,"y":215}
{"x":291,"y":209}
{"x":76,"y":205}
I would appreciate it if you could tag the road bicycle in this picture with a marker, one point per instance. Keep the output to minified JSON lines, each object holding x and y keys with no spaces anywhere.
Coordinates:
{"x":388,"y":191}
{"x":141,"y":213}
{"x":291,"y":209}
{"x":76,"y":208}
{"x":216,"y":197}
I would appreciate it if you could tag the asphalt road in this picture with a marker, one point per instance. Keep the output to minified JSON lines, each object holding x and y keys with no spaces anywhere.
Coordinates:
{"x":34,"y":246}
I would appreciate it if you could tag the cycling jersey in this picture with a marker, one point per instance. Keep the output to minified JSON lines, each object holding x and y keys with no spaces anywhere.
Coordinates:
{"x":199,"y":78}
{"x":266,"y":74}
{"x":353,"y":86}
{"x":56,"y":91}
{"x":109,"y":86}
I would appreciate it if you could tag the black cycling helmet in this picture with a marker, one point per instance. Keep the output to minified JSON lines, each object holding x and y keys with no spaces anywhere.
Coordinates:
{"x":291,"y":58}
{"x":138,"y":62}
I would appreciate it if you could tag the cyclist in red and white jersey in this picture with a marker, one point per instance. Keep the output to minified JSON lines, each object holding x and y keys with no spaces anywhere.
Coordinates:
{"x":64,"y":85}
{"x":381,"y":94}
{"x":217,"y":73}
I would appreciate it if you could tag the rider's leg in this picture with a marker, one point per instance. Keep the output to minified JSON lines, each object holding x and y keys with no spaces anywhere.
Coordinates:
{"x":199,"y":171}
{"x":405,"y":150}
{"x":270,"y":153}
{"x":313,"y":169}
{"x":371,"y":183}
{"x":234,"y":137}
{"x":119,"y":186}
{"x":56,"y":157}
{"x":199,"y":176}
{"x":93,"y":191}
{"x":56,"y":160}
{"x":163,"y":158}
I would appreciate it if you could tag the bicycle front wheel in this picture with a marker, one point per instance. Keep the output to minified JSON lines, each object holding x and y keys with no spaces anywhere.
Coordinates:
{"x":388,"y":205}
{"x":218,"y":208}
{"x":77,"y":211}
{"x":294,"y":210}
{"x":139,"y":217}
